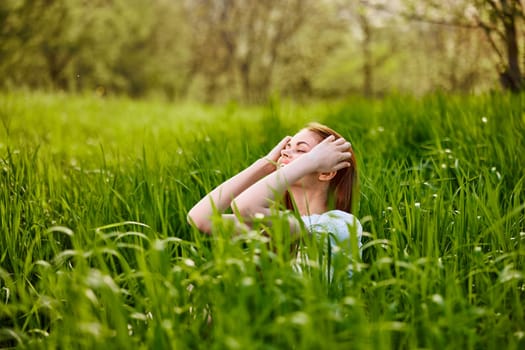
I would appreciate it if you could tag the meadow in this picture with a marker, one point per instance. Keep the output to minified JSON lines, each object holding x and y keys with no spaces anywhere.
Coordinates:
{"x":95,"y":250}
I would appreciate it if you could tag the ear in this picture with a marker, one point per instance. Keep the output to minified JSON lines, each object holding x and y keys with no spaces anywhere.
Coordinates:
{"x":327,"y":176}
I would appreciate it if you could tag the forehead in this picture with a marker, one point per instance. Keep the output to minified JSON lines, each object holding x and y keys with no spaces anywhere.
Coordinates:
{"x":307,"y":136}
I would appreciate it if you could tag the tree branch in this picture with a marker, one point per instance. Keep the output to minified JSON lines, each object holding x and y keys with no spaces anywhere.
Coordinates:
{"x":488,"y":30}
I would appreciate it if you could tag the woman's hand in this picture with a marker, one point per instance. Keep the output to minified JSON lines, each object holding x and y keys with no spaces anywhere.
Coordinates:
{"x":330,"y":154}
{"x":273,"y":156}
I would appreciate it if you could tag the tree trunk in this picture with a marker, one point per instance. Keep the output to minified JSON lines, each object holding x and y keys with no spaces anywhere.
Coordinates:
{"x":367,"y":55}
{"x":511,"y":78}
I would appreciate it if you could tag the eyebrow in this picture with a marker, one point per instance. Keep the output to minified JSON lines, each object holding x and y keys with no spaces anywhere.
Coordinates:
{"x":299,"y":143}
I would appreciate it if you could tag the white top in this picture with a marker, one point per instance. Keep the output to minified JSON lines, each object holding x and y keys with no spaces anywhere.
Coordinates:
{"x":339,"y":225}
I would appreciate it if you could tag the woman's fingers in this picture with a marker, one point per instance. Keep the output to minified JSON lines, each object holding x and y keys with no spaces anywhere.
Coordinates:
{"x":275,"y":153}
{"x":343,"y":143}
{"x":282,"y":144}
{"x":342,"y":165}
{"x":345,"y":156}
{"x":285,"y":140}
{"x":342,"y":148}
{"x":340,"y":142}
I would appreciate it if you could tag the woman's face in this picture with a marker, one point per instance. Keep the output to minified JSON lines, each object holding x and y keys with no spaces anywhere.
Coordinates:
{"x":300,"y":143}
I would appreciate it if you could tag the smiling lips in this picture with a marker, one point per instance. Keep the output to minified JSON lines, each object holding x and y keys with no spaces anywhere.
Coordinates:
{"x":283,"y":162}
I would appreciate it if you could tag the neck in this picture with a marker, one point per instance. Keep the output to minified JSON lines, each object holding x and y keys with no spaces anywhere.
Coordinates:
{"x":309,"y":201}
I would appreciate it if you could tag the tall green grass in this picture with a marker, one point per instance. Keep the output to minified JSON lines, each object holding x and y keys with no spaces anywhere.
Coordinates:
{"x":95,"y":250}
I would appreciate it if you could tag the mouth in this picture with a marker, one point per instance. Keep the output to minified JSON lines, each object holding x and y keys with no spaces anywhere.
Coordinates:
{"x":283,"y":163}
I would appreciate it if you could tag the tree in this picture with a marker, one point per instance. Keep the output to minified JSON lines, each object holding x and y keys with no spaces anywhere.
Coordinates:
{"x":367,"y":18}
{"x":502,"y":21}
{"x":239,"y":41}
{"x":243,"y":44}
{"x":120,"y":46}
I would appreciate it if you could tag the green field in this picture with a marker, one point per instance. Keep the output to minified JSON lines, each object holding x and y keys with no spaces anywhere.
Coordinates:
{"x":95,"y":251}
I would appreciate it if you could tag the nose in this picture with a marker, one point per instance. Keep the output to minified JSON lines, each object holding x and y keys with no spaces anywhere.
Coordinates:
{"x":285,"y":153}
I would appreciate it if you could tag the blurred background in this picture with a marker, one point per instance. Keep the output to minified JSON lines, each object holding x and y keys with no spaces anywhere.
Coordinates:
{"x":249,"y":50}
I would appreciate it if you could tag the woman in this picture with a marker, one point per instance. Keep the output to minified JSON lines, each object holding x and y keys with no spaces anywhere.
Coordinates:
{"x":314,"y":172}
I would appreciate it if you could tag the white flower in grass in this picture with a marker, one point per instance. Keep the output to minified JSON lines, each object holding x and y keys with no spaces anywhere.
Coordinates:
{"x":484,"y":120}
{"x":73,"y":162}
{"x":440,"y":262}
{"x":247,"y":281}
{"x":167,"y":324}
{"x":158,"y":245}
{"x":438,"y":299}
{"x":300,"y":318}
{"x":350,"y":301}
{"x":477,"y":249}
{"x":189,"y":262}
{"x":417,"y":205}
{"x":495,"y":170}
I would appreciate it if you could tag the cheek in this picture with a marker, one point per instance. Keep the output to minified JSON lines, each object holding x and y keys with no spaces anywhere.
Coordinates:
{"x":308,"y":179}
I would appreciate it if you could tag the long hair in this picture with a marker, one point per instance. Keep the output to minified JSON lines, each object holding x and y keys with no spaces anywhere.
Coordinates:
{"x":343,"y":191}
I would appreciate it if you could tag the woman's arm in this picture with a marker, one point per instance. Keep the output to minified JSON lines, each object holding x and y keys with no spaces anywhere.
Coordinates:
{"x":220,"y":198}
{"x":329,"y":155}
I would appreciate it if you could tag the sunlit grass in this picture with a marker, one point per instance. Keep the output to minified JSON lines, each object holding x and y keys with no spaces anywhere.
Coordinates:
{"x":96,"y":251}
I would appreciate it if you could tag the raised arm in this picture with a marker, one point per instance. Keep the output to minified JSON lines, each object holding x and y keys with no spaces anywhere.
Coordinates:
{"x":221,"y":197}
{"x":329,"y":155}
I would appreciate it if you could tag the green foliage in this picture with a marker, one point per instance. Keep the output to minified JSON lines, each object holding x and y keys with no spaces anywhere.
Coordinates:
{"x":97,"y":46}
{"x":246,"y":50}
{"x":96,"y":251}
